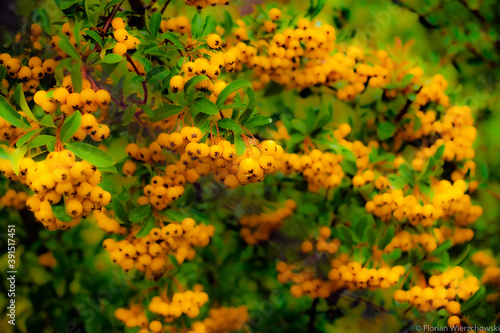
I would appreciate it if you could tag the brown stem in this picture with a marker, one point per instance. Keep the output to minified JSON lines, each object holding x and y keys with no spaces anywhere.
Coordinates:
{"x":110,"y":18}
{"x":144,"y":86}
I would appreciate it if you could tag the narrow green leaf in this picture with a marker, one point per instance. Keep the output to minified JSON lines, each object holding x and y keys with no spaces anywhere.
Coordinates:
{"x":22,"y":140}
{"x":475,"y":300}
{"x":42,"y":140}
{"x":166,"y":111}
{"x":47,"y":121}
{"x":91,"y":154}
{"x":112,"y":58}
{"x":442,"y":248}
{"x":70,"y":126}
{"x":257,"y":121}
{"x":231,"y":88}
{"x":59,"y":211}
{"x":389,"y":235}
{"x":229,"y":124}
{"x":69,"y":48}
{"x":385,"y":130}
{"x":204,"y":105}
{"x":120,"y":211}
{"x":154,"y":24}
{"x":8,"y":113}
{"x":94,"y":35}
{"x":208,"y":26}
{"x":196,"y":26}
{"x":150,"y":224}
{"x":239,"y":145}
{"x":140,"y":213}
{"x":174,"y":40}
{"x":193,"y":82}
{"x":76,"y":77}
{"x":21,"y":101}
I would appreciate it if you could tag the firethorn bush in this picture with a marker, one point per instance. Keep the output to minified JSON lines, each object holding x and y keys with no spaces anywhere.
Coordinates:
{"x":214,"y":166}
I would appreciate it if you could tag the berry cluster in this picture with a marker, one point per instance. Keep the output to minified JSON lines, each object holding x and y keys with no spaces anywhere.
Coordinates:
{"x":305,"y":284}
{"x":442,"y":292}
{"x":61,"y":181}
{"x":124,"y":41}
{"x":14,"y":199}
{"x":226,"y":319}
{"x":10,"y":133}
{"x":449,"y":202}
{"x":200,"y":4}
{"x":352,"y":275}
{"x":166,"y":310}
{"x":150,"y":254}
{"x":258,"y":228}
{"x":28,"y":71}
{"x":319,"y":169}
{"x":323,"y":243}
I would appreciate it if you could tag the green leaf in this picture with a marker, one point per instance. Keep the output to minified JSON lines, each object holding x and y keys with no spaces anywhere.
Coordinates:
{"x":91,"y":154}
{"x":231,"y":88}
{"x":147,"y":110}
{"x":112,"y":169}
{"x":389,"y":235}
{"x":65,"y":4}
{"x":166,"y":111}
{"x":76,"y":77}
{"x":16,"y":156}
{"x":69,"y":49}
{"x":112,"y":58}
{"x":3,"y":71}
{"x":193,"y":82}
{"x":150,"y":224}
{"x":137,"y":79}
{"x":196,"y":26}
{"x":42,"y":140}
{"x":299,"y":125}
{"x":47,"y":121}
{"x":26,"y":137}
{"x":59,"y":211}
{"x":156,"y":74}
{"x":204,"y":105}
{"x":8,"y":113}
{"x":208,"y":26}
{"x":396,"y":181}
{"x":385,"y":130}
{"x":21,"y":101}
{"x":462,"y":256}
{"x":95,"y":36}
{"x":173,"y":260}
{"x":474,"y":301}
{"x":154,"y":24}
{"x":140,"y":213}
{"x":70,"y":126}
{"x":239,"y":145}
{"x":119,"y":210}
{"x":257,"y":121}
{"x":442,"y":248}
{"x":229,"y":124}
{"x":439,"y":153}
{"x":174,"y":40}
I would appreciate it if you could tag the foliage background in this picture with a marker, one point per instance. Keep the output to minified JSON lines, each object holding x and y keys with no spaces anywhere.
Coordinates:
{"x":459,"y":39}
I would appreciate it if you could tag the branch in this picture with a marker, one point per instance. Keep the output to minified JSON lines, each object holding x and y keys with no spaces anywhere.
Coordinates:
{"x":312,"y":316}
{"x":110,"y":18}
{"x":144,"y":86}
{"x":421,"y":18}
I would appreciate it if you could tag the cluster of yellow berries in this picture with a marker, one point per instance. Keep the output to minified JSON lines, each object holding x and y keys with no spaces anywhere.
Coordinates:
{"x":149,"y":254}
{"x":124,"y":41}
{"x":60,"y":178}
{"x":29,"y":72}
{"x":323,"y":243}
{"x":352,"y":275}
{"x":319,"y":169}
{"x":34,"y":33}
{"x":258,"y":228}
{"x":305,"y":283}
{"x":107,"y":222}
{"x":14,"y":199}
{"x":454,"y":130}
{"x":167,"y":309}
{"x":359,"y":150}
{"x":492,"y":272}
{"x":199,"y":159}
{"x":47,"y":260}
{"x":226,"y":319}
{"x":441,"y":291}
{"x":10,"y":133}
{"x":200,"y":4}
{"x":449,"y":202}
{"x":87,"y":101}
{"x":178,"y":24}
